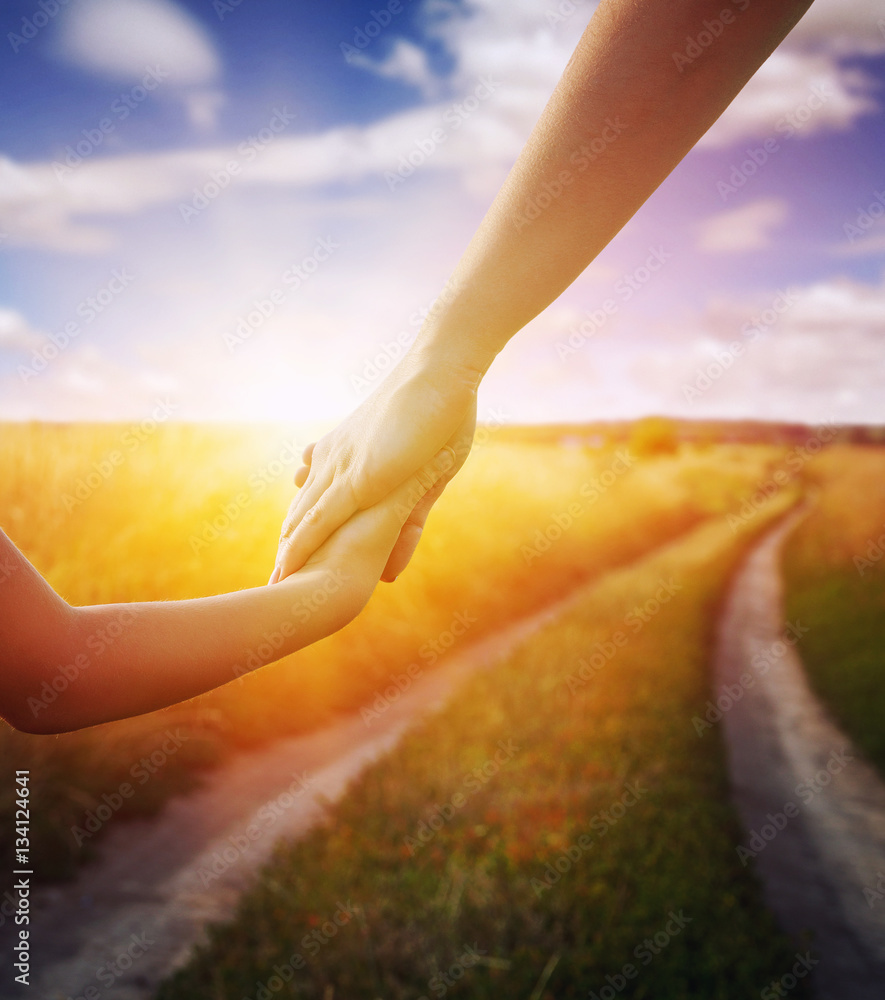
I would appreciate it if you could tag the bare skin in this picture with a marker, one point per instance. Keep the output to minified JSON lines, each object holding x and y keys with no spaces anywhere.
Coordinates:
{"x":112,"y":661}
{"x":622,"y":84}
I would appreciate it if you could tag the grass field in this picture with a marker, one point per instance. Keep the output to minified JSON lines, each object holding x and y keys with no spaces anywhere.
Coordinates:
{"x":835,"y":578}
{"x":113,"y":513}
{"x":553,"y":833}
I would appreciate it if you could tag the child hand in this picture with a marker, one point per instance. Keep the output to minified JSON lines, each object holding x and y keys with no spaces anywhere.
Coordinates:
{"x":353,"y":558}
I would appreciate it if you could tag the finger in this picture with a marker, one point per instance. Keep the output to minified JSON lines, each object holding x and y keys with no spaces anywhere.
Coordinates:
{"x":410,"y":534}
{"x":308,"y":496}
{"x":303,"y":472}
{"x":402,"y":552}
{"x":419,"y":496}
{"x":307,"y":527}
{"x":413,"y":491}
{"x":331,"y":509}
{"x":400,"y":504}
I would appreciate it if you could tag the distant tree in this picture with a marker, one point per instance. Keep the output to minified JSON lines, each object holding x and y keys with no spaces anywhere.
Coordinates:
{"x":654,"y":436}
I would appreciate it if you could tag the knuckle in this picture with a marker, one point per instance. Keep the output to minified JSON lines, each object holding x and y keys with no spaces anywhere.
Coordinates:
{"x":313,"y":516}
{"x":358,"y":487}
{"x":324,"y":448}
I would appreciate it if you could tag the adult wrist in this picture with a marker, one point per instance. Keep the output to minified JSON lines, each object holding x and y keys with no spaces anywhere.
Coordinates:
{"x":445,"y":363}
{"x":449,"y":342}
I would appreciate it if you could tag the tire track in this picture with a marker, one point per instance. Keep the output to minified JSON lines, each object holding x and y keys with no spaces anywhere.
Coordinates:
{"x":813,"y":808}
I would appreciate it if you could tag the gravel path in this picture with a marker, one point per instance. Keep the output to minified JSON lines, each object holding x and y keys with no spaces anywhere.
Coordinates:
{"x":813,"y":809}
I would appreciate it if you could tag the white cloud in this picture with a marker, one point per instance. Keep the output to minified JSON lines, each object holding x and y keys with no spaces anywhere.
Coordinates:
{"x":788,"y":376}
{"x":122,"y":39}
{"x":277,"y":376}
{"x":840,"y":307}
{"x":872,"y":244}
{"x":511,"y":41}
{"x":793,"y":94}
{"x":83,"y":383}
{"x":783,"y":95}
{"x":842,"y":27}
{"x":405,"y":62}
{"x":203,"y":107}
{"x":743,"y":229}
{"x":38,"y":207}
{"x":865,"y":232}
{"x":822,"y":354}
{"x":512,"y":45}
{"x":832,"y":307}
{"x":16,"y":334}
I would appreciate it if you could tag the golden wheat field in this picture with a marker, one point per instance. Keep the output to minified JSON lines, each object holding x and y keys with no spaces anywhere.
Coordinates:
{"x":847,"y":486}
{"x":114,"y":513}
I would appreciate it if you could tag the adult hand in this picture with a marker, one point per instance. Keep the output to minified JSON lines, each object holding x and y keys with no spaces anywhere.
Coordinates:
{"x":419,"y":409}
{"x":355,"y":555}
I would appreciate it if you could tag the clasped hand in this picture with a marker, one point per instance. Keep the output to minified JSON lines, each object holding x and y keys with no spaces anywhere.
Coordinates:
{"x":417,"y":416}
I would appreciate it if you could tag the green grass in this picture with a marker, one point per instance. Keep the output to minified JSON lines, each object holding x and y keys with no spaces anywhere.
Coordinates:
{"x":844,"y":649}
{"x":834,"y":576}
{"x":479,"y":881}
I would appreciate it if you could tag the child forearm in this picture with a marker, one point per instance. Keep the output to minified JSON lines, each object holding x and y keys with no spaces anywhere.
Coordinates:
{"x":120,"y":660}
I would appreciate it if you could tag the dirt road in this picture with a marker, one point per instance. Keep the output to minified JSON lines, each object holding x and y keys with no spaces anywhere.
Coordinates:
{"x":812,"y":808}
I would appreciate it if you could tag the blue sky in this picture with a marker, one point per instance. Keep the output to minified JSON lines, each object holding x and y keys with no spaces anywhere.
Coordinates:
{"x":198,"y":202}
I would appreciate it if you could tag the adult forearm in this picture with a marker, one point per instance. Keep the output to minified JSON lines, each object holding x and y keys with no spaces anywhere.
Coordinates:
{"x":626,"y":110}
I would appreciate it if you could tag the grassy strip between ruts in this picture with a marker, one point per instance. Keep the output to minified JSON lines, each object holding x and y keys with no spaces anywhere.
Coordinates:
{"x":834,"y":570}
{"x":556,"y":831}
